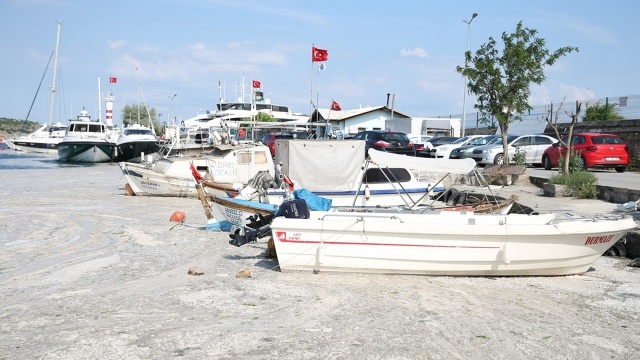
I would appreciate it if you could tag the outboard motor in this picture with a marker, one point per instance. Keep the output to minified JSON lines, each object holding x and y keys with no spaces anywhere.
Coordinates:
{"x":260,"y":226}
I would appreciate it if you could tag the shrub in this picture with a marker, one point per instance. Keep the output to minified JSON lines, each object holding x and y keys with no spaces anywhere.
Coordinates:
{"x":580,"y":184}
{"x":575,"y":162}
{"x":634,"y":161}
{"x":520,"y":156}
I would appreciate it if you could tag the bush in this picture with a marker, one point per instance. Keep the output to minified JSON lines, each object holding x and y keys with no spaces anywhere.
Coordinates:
{"x":580,"y":184}
{"x":575,"y":162}
{"x":634,"y":162}
{"x":520,"y":156}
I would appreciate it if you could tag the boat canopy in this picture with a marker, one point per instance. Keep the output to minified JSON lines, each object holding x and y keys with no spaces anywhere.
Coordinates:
{"x":454,"y":166}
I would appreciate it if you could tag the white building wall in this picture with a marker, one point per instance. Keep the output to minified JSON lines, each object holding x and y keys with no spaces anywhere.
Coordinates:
{"x":369,"y":121}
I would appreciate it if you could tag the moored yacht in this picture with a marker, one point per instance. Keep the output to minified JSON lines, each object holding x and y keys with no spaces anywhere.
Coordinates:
{"x":135,"y":141}
{"x":86,"y":140}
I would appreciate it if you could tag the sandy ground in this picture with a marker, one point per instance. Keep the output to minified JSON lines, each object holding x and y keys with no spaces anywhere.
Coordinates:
{"x":88,"y":273}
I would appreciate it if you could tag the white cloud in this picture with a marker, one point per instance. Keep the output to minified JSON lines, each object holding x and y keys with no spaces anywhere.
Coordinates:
{"x":416,"y":51}
{"x":116,"y":44}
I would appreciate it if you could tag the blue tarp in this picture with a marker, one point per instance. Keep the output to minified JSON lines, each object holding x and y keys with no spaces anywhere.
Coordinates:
{"x":314,"y":201}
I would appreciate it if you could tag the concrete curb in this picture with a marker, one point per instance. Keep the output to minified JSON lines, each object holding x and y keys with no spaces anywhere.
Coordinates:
{"x":610,"y":194}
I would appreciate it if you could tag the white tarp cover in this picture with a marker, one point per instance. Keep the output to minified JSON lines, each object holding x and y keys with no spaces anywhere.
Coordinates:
{"x":322,"y":165}
{"x":453,"y":166}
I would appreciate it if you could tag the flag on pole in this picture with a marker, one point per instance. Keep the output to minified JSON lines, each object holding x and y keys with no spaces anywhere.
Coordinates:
{"x":319,"y":54}
{"x":322,"y":66}
{"x":113,"y":80}
{"x":255,"y":84}
{"x":195,"y":173}
{"x":335,"y":106}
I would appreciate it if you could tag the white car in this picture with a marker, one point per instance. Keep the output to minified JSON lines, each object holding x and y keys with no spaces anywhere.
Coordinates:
{"x":532,"y":145}
{"x":443,"y":151}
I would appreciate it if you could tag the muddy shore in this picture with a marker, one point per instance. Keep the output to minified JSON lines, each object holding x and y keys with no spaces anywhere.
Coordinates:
{"x":89,"y":273}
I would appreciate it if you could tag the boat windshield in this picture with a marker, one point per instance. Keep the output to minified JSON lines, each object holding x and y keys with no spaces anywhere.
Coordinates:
{"x":138,"y":132}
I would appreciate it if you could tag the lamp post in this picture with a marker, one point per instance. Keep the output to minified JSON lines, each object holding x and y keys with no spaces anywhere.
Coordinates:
{"x":171,"y":97}
{"x":464,"y":95}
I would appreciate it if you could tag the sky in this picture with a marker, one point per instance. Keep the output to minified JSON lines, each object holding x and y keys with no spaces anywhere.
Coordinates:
{"x":173,"y":54}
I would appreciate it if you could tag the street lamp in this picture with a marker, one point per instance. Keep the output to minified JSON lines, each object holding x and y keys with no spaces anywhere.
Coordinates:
{"x":171,"y":97}
{"x":464,"y":96}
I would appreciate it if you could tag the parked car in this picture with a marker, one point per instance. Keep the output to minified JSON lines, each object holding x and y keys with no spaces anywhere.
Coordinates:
{"x":466,"y":151}
{"x":389,"y":141}
{"x":444,"y":150}
{"x":435,"y":142}
{"x":270,"y":140}
{"x":532,"y":145}
{"x":419,"y":141}
{"x":596,"y":151}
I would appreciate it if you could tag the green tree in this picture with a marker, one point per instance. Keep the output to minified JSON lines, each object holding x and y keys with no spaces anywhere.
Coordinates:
{"x":138,"y":114}
{"x":601,"y":112}
{"x":501,"y":81}
{"x":262,"y":117}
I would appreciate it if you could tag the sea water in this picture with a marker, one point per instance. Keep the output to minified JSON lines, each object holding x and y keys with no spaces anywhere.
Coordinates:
{"x":18,"y":160}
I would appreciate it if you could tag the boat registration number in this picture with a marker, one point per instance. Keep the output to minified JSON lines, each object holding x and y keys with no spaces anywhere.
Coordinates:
{"x":612,"y":158}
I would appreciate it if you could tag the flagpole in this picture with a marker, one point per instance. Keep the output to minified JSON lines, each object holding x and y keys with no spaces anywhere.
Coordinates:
{"x":311,"y":96}
{"x":318,"y":93}
{"x":326,"y":128}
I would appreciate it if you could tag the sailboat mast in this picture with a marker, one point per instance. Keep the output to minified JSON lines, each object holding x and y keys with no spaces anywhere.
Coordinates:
{"x":55,"y":71}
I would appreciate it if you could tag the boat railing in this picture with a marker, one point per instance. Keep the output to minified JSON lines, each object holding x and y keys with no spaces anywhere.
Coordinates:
{"x":359,"y":217}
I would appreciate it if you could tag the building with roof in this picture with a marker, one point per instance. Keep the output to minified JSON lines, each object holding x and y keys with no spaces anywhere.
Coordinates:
{"x":350,"y":122}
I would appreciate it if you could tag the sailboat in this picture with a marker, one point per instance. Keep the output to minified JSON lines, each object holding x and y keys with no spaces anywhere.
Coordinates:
{"x":47,"y":137}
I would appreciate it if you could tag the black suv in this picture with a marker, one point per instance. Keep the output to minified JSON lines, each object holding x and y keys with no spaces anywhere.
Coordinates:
{"x":389,"y":141}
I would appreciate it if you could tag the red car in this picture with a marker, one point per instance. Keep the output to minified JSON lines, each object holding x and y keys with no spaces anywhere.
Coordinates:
{"x":597,"y":151}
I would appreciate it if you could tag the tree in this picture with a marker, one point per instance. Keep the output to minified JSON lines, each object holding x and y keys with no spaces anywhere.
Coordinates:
{"x":263,"y":117}
{"x":501,"y":82}
{"x":137,"y":114}
{"x":601,"y":112}
{"x":554,"y":125}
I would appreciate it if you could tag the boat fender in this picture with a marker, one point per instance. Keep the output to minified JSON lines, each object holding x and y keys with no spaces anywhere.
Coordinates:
{"x":505,"y":255}
{"x":178,"y":216}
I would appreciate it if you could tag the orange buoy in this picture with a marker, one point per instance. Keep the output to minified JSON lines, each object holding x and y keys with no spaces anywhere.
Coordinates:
{"x":178,"y":216}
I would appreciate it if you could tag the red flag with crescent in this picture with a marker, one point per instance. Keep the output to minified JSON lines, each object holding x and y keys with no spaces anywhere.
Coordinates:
{"x":255,"y":84}
{"x":335,"y":106}
{"x":113,"y":80}
{"x":319,"y":54}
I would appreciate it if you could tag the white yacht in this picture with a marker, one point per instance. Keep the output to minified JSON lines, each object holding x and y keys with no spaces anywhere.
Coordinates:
{"x":86,"y":140}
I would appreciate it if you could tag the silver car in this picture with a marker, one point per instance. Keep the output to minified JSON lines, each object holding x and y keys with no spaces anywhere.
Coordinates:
{"x":532,"y":145}
{"x":464,"y":152}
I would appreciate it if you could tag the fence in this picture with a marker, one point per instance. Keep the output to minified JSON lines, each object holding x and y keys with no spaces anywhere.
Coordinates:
{"x":627,"y":106}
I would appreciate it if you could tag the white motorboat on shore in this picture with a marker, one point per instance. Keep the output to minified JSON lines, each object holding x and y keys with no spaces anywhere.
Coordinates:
{"x":452,"y":243}
{"x":337,"y":170}
{"x":172,"y":176}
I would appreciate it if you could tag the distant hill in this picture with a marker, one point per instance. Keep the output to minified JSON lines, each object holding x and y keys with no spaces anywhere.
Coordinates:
{"x":9,"y":127}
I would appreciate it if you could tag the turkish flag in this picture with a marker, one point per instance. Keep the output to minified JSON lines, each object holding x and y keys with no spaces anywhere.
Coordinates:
{"x":255,"y":84}
{"x":113,"y":80}
{"x":319,"y":54}
{"x":335,"y":106}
